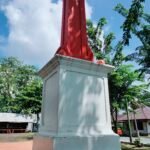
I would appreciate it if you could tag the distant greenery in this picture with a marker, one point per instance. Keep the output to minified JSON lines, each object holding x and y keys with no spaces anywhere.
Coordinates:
{"x":20,"y":87}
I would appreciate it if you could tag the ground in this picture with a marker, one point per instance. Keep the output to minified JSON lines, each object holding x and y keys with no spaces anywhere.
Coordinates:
{"x":24,"y":142}
{"x":16,"y":141}
{"x":26,"y":145}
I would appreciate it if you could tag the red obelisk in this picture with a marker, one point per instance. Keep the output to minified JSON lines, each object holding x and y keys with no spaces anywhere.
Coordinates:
{"x":74,"y":42}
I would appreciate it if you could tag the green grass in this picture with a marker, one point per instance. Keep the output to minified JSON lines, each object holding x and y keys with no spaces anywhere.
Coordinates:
{"x":16,"y":137}
{"x":133,"y":147}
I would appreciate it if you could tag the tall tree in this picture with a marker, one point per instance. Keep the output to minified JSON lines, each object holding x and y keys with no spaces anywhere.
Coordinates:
{"x":122,"y":89}
{"x":122,"y":79}
{"x":14,"y":78}
{"x":137,"y":22}
{"x":100,"y":45}
{"x":8,"y":78}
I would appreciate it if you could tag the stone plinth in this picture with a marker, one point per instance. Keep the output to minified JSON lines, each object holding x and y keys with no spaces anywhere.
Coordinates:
{"x":75,"y":109}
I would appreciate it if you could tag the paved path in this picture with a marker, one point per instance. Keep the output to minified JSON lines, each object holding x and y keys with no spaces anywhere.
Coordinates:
{"x":144,"y":140}
{"x":16,"y":145}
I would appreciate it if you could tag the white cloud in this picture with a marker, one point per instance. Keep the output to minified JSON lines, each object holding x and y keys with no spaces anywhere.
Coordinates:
{"x":34,"y":27}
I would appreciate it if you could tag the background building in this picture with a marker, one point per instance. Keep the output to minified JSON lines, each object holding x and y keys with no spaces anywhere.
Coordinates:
{"x":142,"y":116}
{"x":17,"y":123}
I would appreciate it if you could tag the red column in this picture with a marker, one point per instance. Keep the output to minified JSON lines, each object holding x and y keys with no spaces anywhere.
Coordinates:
{"x":74,"y":42}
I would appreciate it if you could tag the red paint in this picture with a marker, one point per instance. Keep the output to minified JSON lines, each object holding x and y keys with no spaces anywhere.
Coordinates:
{"x":119,"y":131}
{"x":101,"y":61}
{"x":74,"y":42}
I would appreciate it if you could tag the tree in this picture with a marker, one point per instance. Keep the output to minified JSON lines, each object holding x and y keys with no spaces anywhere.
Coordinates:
{"x":137,"y":23}
{"x":14,"y":78}
{"x":101,"y":46}
{"x":122,"y":89}
{"x":145,"y":98}
{"x":30,"y":97}
{"x":121,"y":80}
{"x":8,"y":86}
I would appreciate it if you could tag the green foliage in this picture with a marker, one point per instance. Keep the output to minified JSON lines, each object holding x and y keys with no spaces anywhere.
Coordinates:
{"x":8,"y":86}
{"x":138,"y":143}
{"x":132,"y":20}
{"x":121,"y":86}
{"x":137,"y":23}
{"x":121,"y":81}
{"x":16,"y":79}
{"x":146,"y":17}
{"x":121,"y":10}
{"x":30,"y":97}
{"x":145,"y":97}
{"x":118,"y":58}
{"x":100,"y":48}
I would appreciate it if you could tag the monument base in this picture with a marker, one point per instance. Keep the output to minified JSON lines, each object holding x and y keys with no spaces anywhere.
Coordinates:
{"x":105,"y":142}
{"x":75,"y":107}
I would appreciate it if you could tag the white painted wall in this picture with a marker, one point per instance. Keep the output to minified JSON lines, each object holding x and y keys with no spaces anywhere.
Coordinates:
{"x":50,"y":103}
{"x":83,"y":103}
{"x":29,"y":127}
{"x":145,"y":128}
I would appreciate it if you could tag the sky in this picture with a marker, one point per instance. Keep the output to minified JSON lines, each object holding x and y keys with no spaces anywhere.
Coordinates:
{"x":30,"y":29}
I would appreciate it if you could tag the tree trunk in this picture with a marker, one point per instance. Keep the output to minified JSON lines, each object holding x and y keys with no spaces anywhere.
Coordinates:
{"x":116,"y":120}
{"x":136,"y":127}
{"x":38,"y":119}
{"x":129,"y":125}
{"x":113,"y":119}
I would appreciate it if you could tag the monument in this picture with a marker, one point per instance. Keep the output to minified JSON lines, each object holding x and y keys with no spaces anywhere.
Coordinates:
{"x":75,"y":107}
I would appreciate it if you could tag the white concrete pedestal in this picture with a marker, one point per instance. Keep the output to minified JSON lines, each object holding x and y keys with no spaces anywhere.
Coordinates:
{"x":75,"y":109}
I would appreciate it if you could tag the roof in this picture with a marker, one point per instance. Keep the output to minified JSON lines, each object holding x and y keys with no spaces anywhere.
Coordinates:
{"x":142,"y":113}
{"x":17,"y":118}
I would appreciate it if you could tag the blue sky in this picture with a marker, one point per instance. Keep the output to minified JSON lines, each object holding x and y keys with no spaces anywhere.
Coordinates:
{"x":17,"y":26}
{"x":4,"y":28}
